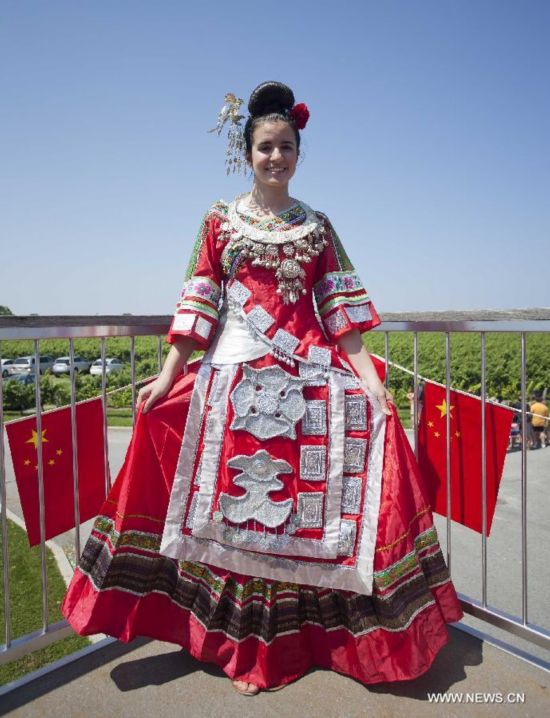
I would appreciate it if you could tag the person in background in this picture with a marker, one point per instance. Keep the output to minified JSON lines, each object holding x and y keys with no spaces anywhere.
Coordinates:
{"x":539,"y":422}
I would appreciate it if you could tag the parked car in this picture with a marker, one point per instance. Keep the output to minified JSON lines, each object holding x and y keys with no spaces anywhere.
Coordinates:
{"x":62,"y":365}
{"x":8,"y":367}
{"x":26,"y":364}
{"x":28,"y":378}
{"x":111,"y":366}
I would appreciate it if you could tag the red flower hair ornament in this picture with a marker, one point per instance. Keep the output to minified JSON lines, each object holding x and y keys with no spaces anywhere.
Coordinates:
{"x":300,"y":115}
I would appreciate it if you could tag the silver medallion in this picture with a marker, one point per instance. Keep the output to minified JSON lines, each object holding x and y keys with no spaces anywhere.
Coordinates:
{"x":258,"y":477}
{"x":268,"y":402}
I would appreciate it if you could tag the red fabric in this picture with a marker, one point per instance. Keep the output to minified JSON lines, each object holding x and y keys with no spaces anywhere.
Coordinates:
{"x":465,"y":430}
{"x":380,"y":367}
{"x":332,"y":262}
{"x":379,"y":656}
{"x":298,"y":317}
{"x":139,"y":500}
{"x":289,"y":451}
{"x":204,"y":262}
{"x":58,"y":467}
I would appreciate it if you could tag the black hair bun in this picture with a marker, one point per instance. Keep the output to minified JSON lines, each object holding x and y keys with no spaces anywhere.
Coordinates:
{"x":270,"y":97}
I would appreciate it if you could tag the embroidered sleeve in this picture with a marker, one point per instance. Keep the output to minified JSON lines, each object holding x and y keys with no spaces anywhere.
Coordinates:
{"x":196,"y":314}
{"x":342,"y":300}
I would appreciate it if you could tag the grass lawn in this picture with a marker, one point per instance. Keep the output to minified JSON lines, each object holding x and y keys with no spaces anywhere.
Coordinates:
{"x":26,"y":604}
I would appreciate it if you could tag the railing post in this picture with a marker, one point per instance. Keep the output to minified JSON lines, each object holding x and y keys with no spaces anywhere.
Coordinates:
{"x":40,"y":468}
{"x":415,"y":390}
{"x":3,"y":508}
{"x":104,"y":404}
{"x":133,"y":377}
{"x":74,"y":439}
{"x":448,"y":441}
{"x":483,"y":476}
{"x":524,"y":606}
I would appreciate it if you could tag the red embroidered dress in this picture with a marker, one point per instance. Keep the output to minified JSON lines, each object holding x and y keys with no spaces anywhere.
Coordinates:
{"x":269,"y":516}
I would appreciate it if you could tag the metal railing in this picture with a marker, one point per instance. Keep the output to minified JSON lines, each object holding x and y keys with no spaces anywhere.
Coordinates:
{"x":523,"y":323}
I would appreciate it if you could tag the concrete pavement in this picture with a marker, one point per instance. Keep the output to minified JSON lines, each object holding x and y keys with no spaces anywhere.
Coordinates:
{"x":152,"y":678}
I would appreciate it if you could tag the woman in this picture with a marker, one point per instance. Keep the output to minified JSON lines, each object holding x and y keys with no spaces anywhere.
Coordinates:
{"x":270,"y":515}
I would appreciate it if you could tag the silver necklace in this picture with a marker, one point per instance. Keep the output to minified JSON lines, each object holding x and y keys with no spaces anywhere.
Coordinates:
{"x":263,"y":247}
{"x":239,"y":228}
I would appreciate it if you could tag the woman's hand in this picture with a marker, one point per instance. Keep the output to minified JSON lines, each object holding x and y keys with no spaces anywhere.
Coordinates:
{"x":380,"y":392}
{"x":152,"y":392}
{"x":179,"y":353}
{"x":353,"y":346}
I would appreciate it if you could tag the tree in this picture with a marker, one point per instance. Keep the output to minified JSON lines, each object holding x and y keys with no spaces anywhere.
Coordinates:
{"x":18,"y":396}
{"x":5,"y":310}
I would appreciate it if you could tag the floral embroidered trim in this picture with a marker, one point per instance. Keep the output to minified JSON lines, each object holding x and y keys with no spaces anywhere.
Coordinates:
{"x":188,"y":305}
{"x":293,"y":215}
{"x":334,"y":282}
{"x":241,"y":229}
{"x":340,"y":300}
{"x":400,"y":605}
{"x":203,"y":288}
{"x":408,"y":563}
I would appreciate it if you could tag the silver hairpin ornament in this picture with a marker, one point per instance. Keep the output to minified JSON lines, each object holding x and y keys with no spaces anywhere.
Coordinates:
{"x":235,"y":155}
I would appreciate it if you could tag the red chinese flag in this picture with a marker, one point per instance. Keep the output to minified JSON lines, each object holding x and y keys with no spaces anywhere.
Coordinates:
{"x":57,"y":462}
{"x":466,"y":481}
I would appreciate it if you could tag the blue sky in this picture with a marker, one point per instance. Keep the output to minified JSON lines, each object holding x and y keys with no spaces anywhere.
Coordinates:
{"x":428,"y":143}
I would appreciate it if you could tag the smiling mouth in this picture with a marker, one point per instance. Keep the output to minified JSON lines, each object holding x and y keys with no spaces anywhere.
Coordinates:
{"x":277,"y":169}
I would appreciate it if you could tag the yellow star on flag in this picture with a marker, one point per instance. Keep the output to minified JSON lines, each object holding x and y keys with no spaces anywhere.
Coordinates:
{"x":51,"y":462}
{"x":59,"y":451}
{"x":34,"y":438}
{"x":443,"y":409}
{"x":27,"y":462}
{"x":430,"y":424}
{"x":437,"y":434}
{"x":457,"y":434}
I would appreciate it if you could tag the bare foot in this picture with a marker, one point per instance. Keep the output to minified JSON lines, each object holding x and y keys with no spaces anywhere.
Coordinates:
{"x":244,"y":688}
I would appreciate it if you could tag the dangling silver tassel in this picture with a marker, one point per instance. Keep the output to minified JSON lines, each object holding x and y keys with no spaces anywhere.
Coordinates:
{"x":234,"y":156}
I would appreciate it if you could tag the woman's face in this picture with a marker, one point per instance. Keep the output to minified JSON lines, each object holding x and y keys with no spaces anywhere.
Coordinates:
{"x":274,"y":153}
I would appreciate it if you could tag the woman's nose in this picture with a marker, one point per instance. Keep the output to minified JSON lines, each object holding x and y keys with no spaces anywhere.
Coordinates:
{"x":276,"y":153}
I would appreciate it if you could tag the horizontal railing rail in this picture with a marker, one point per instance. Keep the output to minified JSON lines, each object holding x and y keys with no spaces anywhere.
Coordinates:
{"x":64,"y":327}
{"x":71,"y":328}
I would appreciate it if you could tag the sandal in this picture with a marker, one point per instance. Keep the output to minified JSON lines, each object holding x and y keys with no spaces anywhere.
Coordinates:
{"x":244,"y":688}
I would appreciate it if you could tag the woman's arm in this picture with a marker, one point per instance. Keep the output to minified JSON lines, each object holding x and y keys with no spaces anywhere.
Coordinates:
{"x":179,"y":353}
{"x":359,"y":357}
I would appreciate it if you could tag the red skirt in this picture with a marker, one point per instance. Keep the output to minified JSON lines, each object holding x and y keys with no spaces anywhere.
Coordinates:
{"x":257,"y":630}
